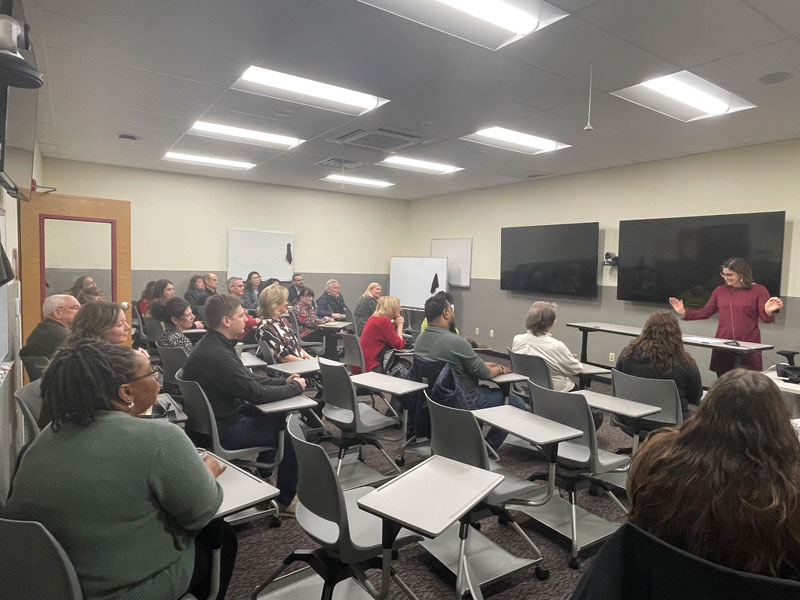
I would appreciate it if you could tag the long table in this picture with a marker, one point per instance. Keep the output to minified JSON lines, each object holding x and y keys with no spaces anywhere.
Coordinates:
{"x":690,"y":340}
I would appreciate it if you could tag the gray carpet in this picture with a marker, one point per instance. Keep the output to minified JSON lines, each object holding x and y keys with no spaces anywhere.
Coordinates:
{"x":261,"y":548}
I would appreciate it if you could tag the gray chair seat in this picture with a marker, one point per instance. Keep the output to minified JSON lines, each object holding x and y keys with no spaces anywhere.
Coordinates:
{"x":511,"y":487}
{"x":575,"y":456}
{"x":371,"y":419}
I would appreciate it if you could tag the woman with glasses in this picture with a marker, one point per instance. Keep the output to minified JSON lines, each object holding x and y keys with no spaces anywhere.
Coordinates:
{"x":741,"y":303}
{"x":127,"y":498}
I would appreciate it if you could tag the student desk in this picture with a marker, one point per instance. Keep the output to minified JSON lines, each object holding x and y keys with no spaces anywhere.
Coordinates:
{"x":691,"y":340}
{"x":380,"y":382}
{"x":298,"y":367}
{"x":241,"y":489}
{"x":790,"y":392}
{"x":287,"y":405}
{"x":335,"y":325}
{"x":447,"y":490}
{"x":251,"y":361}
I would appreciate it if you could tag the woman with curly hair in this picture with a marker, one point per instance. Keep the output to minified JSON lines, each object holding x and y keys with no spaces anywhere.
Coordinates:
{"x":725,"y":486}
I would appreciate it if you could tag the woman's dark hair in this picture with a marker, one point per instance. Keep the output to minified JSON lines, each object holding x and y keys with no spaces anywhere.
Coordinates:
{"x":305,"y":291}
{"x":165,"y":311}
{"x":79,"y":284}
{"x":90,"y":293}
{"x":84,"y":379}
{"x":248,"y":285}
{"x":92,"y":321}
{"x":740,"y":267}
{"x":267,"y":283}
{"x":147,"y":292}
{"x":193,"y":281}
{"x":159,"y":287}
{"x":660,"y":343}
{"x":726,"y":485}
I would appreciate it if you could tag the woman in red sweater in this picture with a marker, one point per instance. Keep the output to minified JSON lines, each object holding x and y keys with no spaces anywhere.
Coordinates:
{"x":383,"y":330}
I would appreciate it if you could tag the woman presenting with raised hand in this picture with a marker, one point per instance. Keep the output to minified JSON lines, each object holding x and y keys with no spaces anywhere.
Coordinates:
{"x":741,"y":303}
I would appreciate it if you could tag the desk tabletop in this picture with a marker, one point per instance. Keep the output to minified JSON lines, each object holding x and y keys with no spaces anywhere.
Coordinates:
{"x":381,"y":382}
{"x":251,"y":361}
{"x":531,"y":428}
{"x":241,"y":489}
{"x":299,"y":367}
{"x":336,"y":325}
{"x":287,"y":405}
{"x":783,"y":385}
{"x":618,"y":406}
{"x":431,"y":496}
{"x":509,"y":378}
{"x":593,"y":370}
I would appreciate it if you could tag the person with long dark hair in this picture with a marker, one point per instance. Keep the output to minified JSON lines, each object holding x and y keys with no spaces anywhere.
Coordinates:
{"x":80,"y":283}
{"x":741,"y":302}
{"x":251,"y":285}
{"x":125,"y":497}
{"x":658,"y":353}
{"x":195,"y":294}
{"x":145,"y":298}
{"x":725,"y":486}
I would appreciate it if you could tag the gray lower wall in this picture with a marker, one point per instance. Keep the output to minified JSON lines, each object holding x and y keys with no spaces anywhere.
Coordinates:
{"x":59,"y":280}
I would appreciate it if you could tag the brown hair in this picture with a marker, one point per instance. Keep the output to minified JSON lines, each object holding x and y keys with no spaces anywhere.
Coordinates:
{"x":541,"y":317}
{"x":93,"y":321}
{"x":726,"y":485}
{"x":660,"y":343}
{"x":218,"y":306}
{"x":740,"y":267}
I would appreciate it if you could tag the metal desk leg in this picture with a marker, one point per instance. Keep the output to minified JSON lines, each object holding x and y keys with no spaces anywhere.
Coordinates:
{"x":584,"y":345}
{"x":390,"y":529}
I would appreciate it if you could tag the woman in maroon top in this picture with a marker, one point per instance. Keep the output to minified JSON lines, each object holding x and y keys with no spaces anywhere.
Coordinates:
{"x":741,"y":303}
{"x":383,"y":329}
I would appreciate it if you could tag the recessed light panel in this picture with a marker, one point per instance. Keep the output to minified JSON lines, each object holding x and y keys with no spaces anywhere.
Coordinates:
{"x":516,"y":141}
{"x":420,"y":166}
{"x":488,"y":23}
{"x":374,"y":183}
{"x":247,"y":136}
{"x":210,"y":161}
{"x":684,"y":96}
{"x":306,"y":91}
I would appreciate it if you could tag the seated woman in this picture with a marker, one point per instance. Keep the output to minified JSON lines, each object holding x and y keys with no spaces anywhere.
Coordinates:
{"x":366,"y":305}
{"x":146,"y":297}
{"x":538,"y":341}
{"x":81,"y":282}
{"x":101,"y":321}
{"x":250,"y":296}
{"x":195,"y":294}
{"x":90,"y":293}
{"x":275,"y":329}
{"x":177,"y":317}
{"x":725,"y":486}
{"x":163,"y":290}
{"x":383,"y":331}
{"x":125,"y":497}
{"x":307,"y":318}
{"x":658,"y":353}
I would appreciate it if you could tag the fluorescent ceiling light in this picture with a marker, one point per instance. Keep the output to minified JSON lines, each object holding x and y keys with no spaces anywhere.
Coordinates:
{"x":376,"y":183}
{"x":421,"y":166}
{"x":208,"y":160}
{"x":508,"y":139}
{"x":306,"y":91}
{"x":488,"y":23}
{"x":248,"y":136}
{"x":684,"y":96}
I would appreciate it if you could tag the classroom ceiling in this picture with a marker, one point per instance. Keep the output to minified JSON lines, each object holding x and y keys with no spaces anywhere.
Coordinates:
{"x":151,"y":68}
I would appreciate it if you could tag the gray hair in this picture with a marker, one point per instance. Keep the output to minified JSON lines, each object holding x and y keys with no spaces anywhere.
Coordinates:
{"x":541,"y":317}
{"x":53,"y":302}
{"x":329,"y":283}
{"x":232,"y":280}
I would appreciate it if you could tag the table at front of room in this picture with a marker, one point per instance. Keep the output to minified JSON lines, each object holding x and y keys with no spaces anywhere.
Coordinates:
{"x":690,"y":340}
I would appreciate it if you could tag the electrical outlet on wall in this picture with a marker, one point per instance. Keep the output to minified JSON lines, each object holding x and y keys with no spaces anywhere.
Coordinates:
{"x":612,"y":357}
{"x":491,"y":333}
{"x":477,"y":331}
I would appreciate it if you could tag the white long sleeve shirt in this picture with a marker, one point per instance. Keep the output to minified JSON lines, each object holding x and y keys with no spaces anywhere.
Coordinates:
{"x":555,"y":353}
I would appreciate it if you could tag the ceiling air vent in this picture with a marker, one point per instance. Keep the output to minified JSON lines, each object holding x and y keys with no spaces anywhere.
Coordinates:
{"x":381,"y":139}
{"x":339,"y":163}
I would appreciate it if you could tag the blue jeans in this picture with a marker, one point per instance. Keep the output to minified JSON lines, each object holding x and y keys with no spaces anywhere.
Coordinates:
{"x":488,"y":397}
{"x":262,"y":430}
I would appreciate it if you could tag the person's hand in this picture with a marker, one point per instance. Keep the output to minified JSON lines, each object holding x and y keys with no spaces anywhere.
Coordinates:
{"x":677,"y":306}
{"x":491,"y":365}
{"x":338,"y":315}
{"x":198,"y":325}
{"x":298,"y":379}
{"x":773,"y":304}
{"x":143,"y":351}
{"x":398,"y":322}
{"x":213,"y":466}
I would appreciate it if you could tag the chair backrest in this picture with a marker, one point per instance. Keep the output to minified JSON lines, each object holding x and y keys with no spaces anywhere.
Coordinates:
{"x":34,"y":366}
{"x":33,"y":564}
{"x":427,"y":371}
{"x":265,"y":352}
{"x":533,"y":367}
{"x":172,"y":360}
{"x":200,"y":415}
{"x":353,"y":355}
{"x":153,"y":328}
{"x":338,"y":390}
{"x":29,"y":400}
{"x":201,"y":312}
{"x":656,"y":392}
{"x":136,"y":318}
{"x":293,"y":322}
{"x":455,"y":434}
{"x":569,"y":409}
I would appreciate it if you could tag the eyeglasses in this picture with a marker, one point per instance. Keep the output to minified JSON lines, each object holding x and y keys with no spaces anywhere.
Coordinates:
{"x":727,"y":275}
{"x":157,"y":370}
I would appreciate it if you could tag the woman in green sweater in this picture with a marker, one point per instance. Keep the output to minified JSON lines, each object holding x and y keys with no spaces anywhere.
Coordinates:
{"x":125,"y":497}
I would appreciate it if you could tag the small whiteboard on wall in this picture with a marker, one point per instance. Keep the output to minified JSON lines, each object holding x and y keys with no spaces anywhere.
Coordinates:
{"x":414,"y":279}
{"x":262,"y":251}
{"x":458,"y":252}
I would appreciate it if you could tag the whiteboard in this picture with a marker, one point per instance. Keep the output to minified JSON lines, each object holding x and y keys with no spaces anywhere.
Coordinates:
{"x":411,"y":279}
{"x":262,"y":251}
{"x":458,"y":252}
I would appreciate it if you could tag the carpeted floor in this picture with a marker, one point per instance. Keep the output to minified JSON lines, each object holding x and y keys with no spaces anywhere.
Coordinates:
{"x":261,"y":548}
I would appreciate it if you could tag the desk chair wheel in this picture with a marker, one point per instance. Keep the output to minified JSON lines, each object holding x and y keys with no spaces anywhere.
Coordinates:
{"x":275,"y":522}
{"x":476,"y":526}
{"x":503,"y":520}
{"x":574,"y":562}
{"x":593,"y":490}
{"x":542,"y":574}
{"x":399,"y":461}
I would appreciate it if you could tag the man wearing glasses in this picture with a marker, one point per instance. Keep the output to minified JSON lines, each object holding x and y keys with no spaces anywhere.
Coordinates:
{"x":49,"y":335}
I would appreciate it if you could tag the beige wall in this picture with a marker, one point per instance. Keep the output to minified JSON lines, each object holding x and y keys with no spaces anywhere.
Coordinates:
{"x":180,"y":222}
{"x":750,"y":179}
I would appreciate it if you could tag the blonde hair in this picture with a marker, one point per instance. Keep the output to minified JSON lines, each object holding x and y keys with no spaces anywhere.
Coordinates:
{"x":370,"y":287}
{"x":387,"y":306}
{"x":270,"y":298}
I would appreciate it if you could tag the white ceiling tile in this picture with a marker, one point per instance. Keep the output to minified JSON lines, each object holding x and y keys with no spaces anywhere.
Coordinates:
{"x":784,"y":13}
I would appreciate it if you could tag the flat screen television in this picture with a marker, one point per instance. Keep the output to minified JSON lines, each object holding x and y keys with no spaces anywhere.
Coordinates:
{"x":551,"y":259}
{"x":681,"y":257}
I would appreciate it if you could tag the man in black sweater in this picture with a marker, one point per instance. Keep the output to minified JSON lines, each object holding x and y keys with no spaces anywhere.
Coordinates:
{"x":233,"y":391}
{"x":49,"y":335}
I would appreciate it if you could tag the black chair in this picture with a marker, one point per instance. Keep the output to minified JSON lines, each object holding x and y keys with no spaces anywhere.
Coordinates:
{"x":172,"y":360}
{"x":788,"y":355}
{"x":634,"y":564}
{"x":416,"y":416}
{"x":34,"y":366}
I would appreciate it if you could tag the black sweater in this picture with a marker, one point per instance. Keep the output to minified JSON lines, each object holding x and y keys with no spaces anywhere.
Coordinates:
{"x":685,"y":375}
{"x":231,"y":388}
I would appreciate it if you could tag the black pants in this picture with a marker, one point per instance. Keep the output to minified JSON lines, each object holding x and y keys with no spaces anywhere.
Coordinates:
{"x":210,"y":537}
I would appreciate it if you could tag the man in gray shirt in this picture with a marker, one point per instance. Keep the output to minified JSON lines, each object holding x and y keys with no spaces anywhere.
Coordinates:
{"x":439,"y":342}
